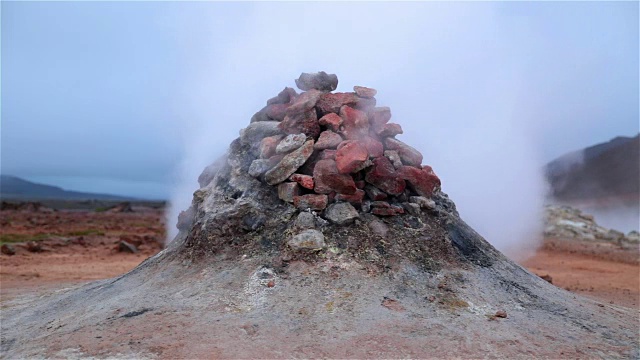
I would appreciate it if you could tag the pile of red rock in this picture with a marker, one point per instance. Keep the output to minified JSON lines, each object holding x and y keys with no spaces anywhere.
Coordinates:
{"x":321,"y":148}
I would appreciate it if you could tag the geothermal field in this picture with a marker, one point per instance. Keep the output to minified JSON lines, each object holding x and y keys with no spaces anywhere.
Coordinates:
{"x":318,"y":234}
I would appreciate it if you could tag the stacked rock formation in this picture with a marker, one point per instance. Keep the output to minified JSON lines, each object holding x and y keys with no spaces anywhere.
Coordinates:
{"x":337,"y":153}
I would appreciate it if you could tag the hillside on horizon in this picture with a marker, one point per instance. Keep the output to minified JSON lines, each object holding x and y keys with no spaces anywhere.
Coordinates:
{"x":601,"y":171}
{"x":15,"y":188}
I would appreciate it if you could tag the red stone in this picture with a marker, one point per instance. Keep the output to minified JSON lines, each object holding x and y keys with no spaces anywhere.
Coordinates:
{"x":354,"y":122}
{"x":379,"y":116}
{"x":311,"y":201}
{"x":277,"y":111}
{"x":305,"y":181}
{"x":374,"y":147}
{"x":389,"y":130}
{"x":332,"y":121}
{"x":365,"y":91}
{"x":305,"y":122}
{"x":304,"y":102}
{"x":328,"y":154}
{"x":351,"y":157}
{"x":423,"y":181}
{"x":328,"y":179}
{"x":360,"y":184}
{"x":327,"y":140}
{"x":268,"y":146}
{"x":287,"y":191}
{"x":332,"y":102}
{"x":355,"y":198}
{"x":383,"y":176}
{"x":409,"y":155}
{"x":392,"y":211}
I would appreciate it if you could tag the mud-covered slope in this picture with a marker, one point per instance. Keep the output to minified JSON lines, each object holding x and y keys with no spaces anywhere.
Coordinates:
{"x":243,"y":280}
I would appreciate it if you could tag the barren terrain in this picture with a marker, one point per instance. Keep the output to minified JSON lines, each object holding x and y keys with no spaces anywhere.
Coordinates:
{"x":81,"y":246}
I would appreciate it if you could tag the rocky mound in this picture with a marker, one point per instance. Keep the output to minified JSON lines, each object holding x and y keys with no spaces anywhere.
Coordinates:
{"x":312,"y":238}
{"x":564,"y":222}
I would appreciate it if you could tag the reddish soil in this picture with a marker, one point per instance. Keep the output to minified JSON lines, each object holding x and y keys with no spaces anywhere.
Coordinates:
{"x":606,"y":272}
{"x":77,"y":246}
{"x":602,"y":271}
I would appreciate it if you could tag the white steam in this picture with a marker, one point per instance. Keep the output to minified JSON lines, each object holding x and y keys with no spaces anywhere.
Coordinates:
{"x":450,"y":76}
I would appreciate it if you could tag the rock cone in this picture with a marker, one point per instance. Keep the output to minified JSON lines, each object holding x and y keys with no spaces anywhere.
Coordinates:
{"x":344,"y":249}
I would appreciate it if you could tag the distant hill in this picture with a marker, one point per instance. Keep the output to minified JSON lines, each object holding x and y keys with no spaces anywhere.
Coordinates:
{"x":603,"y":171}
{"x":602,"y":180}
{"x":12,"y":187}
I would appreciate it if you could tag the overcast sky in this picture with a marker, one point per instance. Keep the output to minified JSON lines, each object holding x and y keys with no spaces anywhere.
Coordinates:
{"x":118,"y":97}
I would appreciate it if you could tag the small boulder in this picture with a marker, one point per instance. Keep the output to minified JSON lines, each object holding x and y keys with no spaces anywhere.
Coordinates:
{"x":383,"y":176}
{"x":285,"y":96}
{"x":354,"y":122}
{"x":311,"y":202}
{"x":409,"y":155}
{"x":351,"y":157}
{"x":365,"y":92}
{"x":355,"y":198}
{"x":424,"y":182}
{"x":290,"y":142}
{"x":411,"y":208}
{"x":260,"y":166}
{"x":268,"y":146}
{"x":305,"y":220}
{"x":332,"y":102}
{"x":277,"y":112}
{"x":423,"y":202}
{"x":307,"y":240}
{"x":34,"y":246}
{"x":328,"y":179}
{"x":379,"y":116}
{"x":7,"y":249}
{"x":257,"y":131}
{"x":389,"y":130}
{"x":331,"y":121}
{"x":124,"y":246}
{"x":374,"y":193}
{"x":287,"y":191}
{"x":305,"y":181}
{"x":341,"y":213}
{"x":318,"y":81}
{"x":289,"y":164}
{"x":393,"y":156}
{"x":327,"y":140}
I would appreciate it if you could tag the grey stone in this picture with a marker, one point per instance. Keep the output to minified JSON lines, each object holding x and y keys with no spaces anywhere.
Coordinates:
{"x":378,"y":227}
{"x":305,"y":220}
{"x":259,"y":167}
{"x":307,"y":240}
{"x":394,"y":157}
{"x":257,"y":131}
{"x":366,"y":206}
{"x":290,"y":142}
{"x":341,"y":213}
{"x":289,"y":164}
{"x":124,"y":246}
{"x":260,"y":115}
{"x":319,"y":81}
{"x":412,"y":208}
{"x":423,"y":202}
{"x":7,"y":249}
{"x":287,"y":191}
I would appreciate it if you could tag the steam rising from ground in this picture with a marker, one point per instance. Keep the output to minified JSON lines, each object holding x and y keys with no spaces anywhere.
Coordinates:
{"x":450,"y":72}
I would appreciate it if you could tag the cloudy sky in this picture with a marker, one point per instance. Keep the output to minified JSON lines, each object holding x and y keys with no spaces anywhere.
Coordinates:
{"x":135,"y":98}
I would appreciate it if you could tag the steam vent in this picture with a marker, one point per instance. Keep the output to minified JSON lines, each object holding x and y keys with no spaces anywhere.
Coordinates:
{"x":320,"y":234}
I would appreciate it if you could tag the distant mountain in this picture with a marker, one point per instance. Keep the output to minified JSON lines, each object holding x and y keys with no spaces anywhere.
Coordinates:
{"x":607,"y":170}
{"x":12,"y":187}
